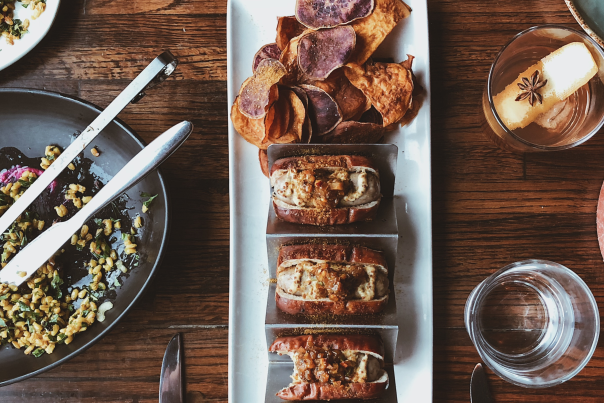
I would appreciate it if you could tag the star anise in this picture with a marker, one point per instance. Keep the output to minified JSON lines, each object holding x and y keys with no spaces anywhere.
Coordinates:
{"x":529,"y":89}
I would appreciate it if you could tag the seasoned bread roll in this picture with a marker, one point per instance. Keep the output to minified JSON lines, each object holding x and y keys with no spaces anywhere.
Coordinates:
{"x":332,"y":367}
{"x":325,"y":190}
{"x":331,"y":279}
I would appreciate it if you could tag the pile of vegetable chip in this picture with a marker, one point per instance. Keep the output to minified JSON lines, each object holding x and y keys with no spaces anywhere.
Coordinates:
{"x":318,"y":84}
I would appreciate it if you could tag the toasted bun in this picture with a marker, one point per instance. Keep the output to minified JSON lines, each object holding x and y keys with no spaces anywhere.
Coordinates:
{"x":343,"y":215}
{"x":294,"y":304}
{"x":349,"y":162}
{"x":334,"y":253}
{"x":356,"y":342}
{"x":326,"y":391}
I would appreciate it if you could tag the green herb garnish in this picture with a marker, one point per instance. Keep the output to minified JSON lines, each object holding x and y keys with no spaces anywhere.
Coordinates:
{"x":148,"y":203}
{"x":38,"y":352}
{"x":24,"y":307}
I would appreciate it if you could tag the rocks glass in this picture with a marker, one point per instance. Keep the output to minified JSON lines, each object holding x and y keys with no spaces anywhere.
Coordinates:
{"x":574,"y":123}
{"x":535,"y":323}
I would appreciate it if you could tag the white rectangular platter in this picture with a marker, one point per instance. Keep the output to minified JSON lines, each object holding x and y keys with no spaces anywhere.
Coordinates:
{"x":251,"y":24}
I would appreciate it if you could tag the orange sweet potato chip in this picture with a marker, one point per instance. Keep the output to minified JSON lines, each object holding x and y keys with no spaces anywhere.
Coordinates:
{"x":287,"y":118}
{"x":372,"y":31}
{"x":307,"y":128}
{"x":350,"y":99}
{"x":270,"y":51}
{"x":278,"y":117}
{"x":389,"y":87}
{"x":287,"y":29}
{"x":263,"y":158}
{"x":259,"y":91}
{"x":252,"y":130}
{"x":419,"y":95}
{"x":321,"y":52}
{"x":289,"y":59}
{"x":330,"y":13}
{"x":283,"y":123}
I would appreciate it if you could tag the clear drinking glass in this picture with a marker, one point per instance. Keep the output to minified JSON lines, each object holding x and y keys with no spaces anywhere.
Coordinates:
{"x":535,"y":323}
{"x":582,"y":115}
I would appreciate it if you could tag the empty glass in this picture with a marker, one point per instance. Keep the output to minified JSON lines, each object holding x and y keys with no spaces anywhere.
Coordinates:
{"x":535,"y":323}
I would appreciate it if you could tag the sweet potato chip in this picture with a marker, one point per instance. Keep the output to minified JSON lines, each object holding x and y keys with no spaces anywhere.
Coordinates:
{"x":389,"y":87}
{"x":263,"y":158}
{"x":258,"y":92}
{"x":323,"y":110}
{"x":350,"y":99}
{"x":372,"y":116}
{"x":419,"y":95}
{"x":285,"y":119}
{"x":355,"y":133}
{"x":270,"y":51}
{"x":252,"y":130}
{"x":330,"y":13}
{"x":372,"y":31}
{"x":307,"y":128}
{"x":297,"y":116}
{"x":321,"y":52}
{"x":287,"y":29}
{"x":289,"y":59}
{"x":278,"y":117}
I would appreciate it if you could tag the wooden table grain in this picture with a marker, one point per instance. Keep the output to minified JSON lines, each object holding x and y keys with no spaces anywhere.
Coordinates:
{"x":491,"y":207}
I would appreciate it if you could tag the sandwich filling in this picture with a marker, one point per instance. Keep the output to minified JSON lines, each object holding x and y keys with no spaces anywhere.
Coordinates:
{"x":326,"y":188}
{"x":337,"y":367}
{"x":335,"y":281}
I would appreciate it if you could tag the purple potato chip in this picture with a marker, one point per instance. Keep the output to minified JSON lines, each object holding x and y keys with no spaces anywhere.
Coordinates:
{"x":321,"y":52}
{"x":355,"y":133}
{"x":270,"y":51}
{"x":331,"y":13}
{"x":258,"y":92}
{"x":323,"y":110}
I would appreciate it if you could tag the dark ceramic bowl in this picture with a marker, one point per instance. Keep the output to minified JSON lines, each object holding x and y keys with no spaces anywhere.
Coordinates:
{"x":32,"y":119}
{"x":590,"y":15}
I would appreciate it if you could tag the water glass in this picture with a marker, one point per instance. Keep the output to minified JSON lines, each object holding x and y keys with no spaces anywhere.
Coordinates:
{"x":535,"y":323}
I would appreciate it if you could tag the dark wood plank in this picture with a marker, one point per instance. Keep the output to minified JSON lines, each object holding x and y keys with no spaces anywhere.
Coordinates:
{"x":167,"y":7}
{"x":491,"y":207}
{"x":93,"y":51}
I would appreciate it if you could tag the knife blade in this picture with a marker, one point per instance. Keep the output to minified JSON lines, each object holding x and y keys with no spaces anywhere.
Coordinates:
{"x":156,"y":72}
{"x":170,"y":381}
{"x":479,"y":388}
{"x":37,"y":252}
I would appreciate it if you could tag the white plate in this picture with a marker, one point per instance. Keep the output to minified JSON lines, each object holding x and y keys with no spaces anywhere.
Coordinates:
{"x":251,"y":24}
{"x":38,"y":29}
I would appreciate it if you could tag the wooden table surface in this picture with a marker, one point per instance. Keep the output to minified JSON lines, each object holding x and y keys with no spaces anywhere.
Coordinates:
{"x":491,"y":207}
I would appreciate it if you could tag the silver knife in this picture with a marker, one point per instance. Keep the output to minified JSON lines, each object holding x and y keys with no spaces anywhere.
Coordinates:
{"x":170,"y":382}
{"x":156,"y":72}
{"x":37,"y":252}
{"x":479,"y":388}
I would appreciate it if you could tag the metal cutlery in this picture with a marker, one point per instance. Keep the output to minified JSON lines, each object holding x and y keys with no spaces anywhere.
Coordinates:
{"x":170,"y":382}
{"x":479,"y":388}
{"x":156,"y":72}
{"x":37,"y":252}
